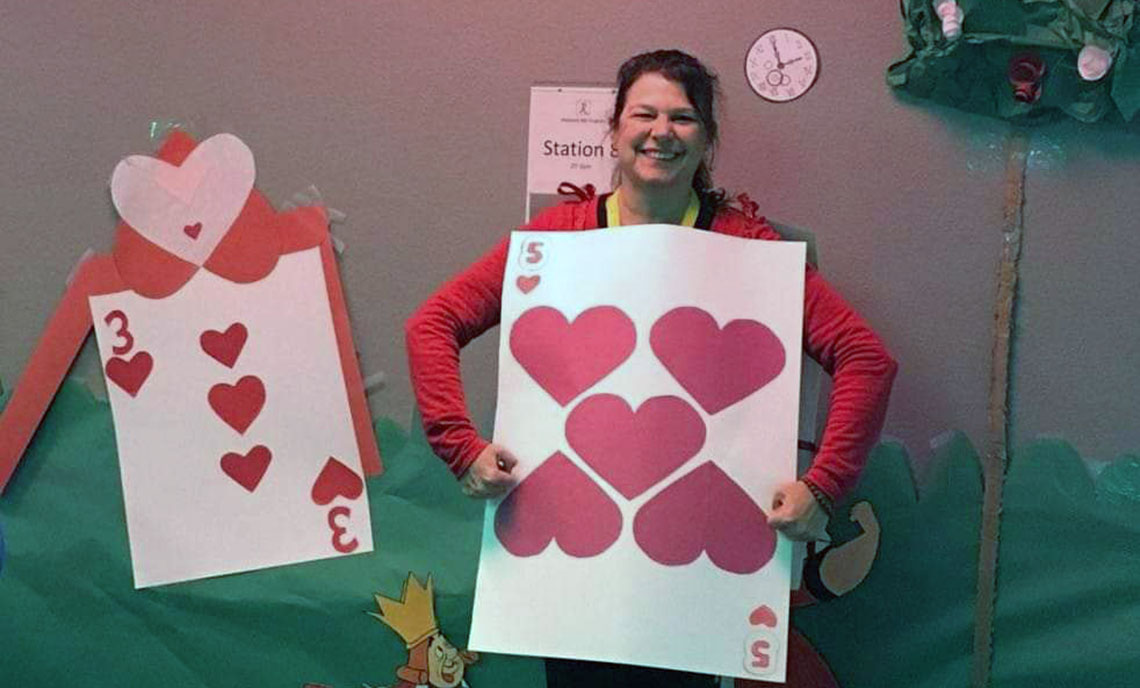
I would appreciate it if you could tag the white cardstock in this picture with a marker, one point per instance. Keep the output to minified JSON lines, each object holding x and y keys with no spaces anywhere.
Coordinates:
{"x":622,"y":604}
{"x":189,"y":515}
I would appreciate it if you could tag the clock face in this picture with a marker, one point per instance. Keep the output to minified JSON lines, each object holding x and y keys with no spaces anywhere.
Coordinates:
{"x":782,"y":65}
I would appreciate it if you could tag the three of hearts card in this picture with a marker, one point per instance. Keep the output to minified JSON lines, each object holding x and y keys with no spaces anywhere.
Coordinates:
{"x":240,"y":420}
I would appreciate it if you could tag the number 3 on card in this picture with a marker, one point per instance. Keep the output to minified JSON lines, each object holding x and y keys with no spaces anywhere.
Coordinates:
{"x":339,"y":531}
{"x":123,"y":332}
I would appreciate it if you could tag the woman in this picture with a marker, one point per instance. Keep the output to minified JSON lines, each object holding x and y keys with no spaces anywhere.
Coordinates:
{"x":664,"y":132}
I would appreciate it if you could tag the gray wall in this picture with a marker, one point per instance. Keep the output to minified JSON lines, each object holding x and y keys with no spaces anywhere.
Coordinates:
{"x":411,"y":118}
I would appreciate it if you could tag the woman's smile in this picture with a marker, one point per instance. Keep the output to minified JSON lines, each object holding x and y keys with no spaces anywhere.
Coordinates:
{"x":659,"y":154}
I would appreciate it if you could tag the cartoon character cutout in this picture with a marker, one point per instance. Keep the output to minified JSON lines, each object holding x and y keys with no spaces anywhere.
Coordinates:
{"x":242,"y":430}
{"x":432,"y":659}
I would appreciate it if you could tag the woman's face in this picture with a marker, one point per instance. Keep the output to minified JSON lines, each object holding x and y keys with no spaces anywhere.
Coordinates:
{"x":659,"y":137}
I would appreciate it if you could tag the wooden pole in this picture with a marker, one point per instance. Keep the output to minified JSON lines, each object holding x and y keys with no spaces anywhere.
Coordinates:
{"x":997,"y":455}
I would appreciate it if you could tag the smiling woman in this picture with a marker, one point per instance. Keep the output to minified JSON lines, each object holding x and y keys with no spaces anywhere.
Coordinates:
{"x":660,"y":143}
{"x":664,"y":134}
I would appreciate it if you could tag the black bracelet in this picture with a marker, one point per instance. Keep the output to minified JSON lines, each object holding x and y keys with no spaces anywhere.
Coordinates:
{"x":821,"y":497}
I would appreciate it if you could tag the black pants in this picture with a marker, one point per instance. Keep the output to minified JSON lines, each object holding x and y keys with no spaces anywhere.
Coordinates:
{"x":572,"y":673}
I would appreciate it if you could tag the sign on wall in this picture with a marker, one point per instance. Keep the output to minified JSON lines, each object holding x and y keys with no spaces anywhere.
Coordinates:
{"x":568,"y":142}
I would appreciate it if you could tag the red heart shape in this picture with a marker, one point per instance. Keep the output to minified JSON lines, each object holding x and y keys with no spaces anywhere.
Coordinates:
{"x":527,"y":284}
{"x":705,"y":511}
{"x":238,"y":405}
{"x":719,"y":367}
{"x":566,"y":359}
{"x":193,"y":230}
{"x":336,"y":480}
{"x":130,"y":375}
{"x":634,"y":451}
{"x":224,"y":347}
{"x":763,"y":616}
{"x":247,"y":470}
{"x":557,"y":501}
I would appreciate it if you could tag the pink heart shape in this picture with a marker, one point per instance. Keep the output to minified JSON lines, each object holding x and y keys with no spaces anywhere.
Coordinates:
{"x":526,"y":284}
{"x":186,"y":209}
{"x":763,"y":616}
{"x":719,"y":367}
{"x":566,"y":359}
{"x":557,"y":501}
{"x":705,"y":511}
{"x":634,"y":451}
{"x":247,"y":469}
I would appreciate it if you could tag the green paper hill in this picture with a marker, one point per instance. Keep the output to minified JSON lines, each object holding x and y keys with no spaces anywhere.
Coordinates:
{"x":1068,"y":605}
{"x":1068,"y":597}
{"x":70,"y":614}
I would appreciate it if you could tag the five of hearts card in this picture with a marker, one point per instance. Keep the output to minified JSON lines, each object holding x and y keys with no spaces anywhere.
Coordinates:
{"x":649,"y":382}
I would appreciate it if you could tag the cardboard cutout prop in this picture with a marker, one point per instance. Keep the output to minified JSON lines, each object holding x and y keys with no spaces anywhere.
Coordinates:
{"x":242,"y":430}
{"x":649,"y":381}
{"x":432,"y":660}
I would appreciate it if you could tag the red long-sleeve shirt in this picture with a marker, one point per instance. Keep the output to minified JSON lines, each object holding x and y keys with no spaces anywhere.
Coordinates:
{"x":834,"y":335}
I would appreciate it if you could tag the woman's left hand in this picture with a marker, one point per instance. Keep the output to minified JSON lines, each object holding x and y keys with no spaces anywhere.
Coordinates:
{"x":796,"y":514}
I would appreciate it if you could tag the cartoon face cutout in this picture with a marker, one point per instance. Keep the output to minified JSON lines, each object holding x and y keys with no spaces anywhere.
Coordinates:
{"x":445,"y":666}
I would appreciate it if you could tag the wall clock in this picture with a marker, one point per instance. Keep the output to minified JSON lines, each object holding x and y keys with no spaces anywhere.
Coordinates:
{"x":782,"y":65}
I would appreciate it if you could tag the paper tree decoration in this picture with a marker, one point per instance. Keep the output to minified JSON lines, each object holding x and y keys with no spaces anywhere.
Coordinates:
{"x":241,"y":424}
{"x":1023,"y":60}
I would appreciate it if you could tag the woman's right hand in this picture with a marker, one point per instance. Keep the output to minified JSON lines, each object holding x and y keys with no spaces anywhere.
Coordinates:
{"x":490,"y":474}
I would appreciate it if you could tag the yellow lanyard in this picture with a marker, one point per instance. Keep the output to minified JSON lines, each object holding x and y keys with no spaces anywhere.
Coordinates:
{"x":613,"y":213}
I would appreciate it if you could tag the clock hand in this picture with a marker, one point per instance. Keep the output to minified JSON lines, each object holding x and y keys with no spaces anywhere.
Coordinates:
{"x":794,"y":59}
{"x":779,"y":62}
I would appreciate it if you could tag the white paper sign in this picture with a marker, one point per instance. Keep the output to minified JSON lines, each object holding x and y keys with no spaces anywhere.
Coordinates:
{"x":649,"y":382}
{"x":235,"y":440}
{"x":568,"y":142}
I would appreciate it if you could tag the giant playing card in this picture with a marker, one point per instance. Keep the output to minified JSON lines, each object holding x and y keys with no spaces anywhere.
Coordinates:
{"x":231,"y":414}
{"x":649,"y":384}
{"x":227,"y":410}
{"x":242,"y":431}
